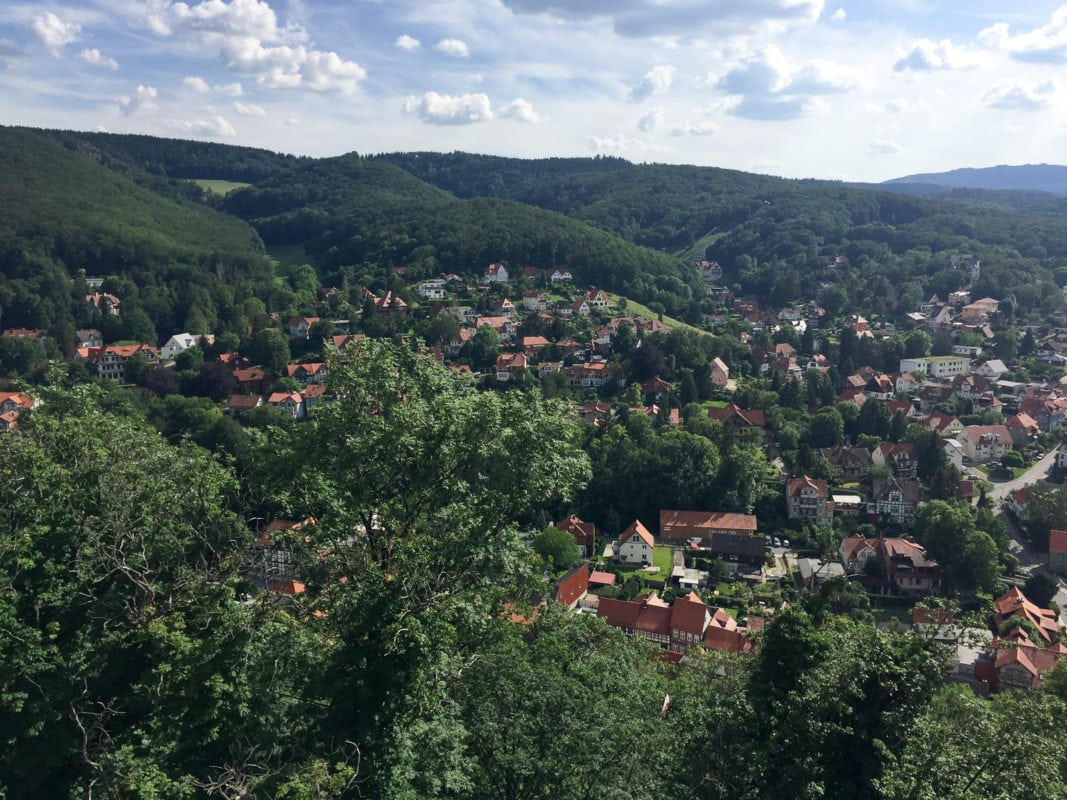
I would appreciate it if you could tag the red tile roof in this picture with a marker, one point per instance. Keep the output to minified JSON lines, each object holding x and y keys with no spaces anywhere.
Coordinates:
{"x":1057,"y":542}
{"x":638,"y":530}
{"x":712,"y":520}
{"x":689,"y":614}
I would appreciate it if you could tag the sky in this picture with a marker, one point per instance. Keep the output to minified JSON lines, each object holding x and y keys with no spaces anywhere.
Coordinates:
{"x":857,"y":91}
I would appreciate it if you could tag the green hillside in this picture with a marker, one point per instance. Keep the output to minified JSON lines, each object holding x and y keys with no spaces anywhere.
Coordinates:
{"x":366,"y":213}
{"x":774,"y":237}
{"x":62,"y":213}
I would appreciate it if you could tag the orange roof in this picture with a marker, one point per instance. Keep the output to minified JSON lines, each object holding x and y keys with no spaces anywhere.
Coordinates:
{"x":601,"y":578}
{"x":712,"y":520}
{"x":716,"y":638}
{"x":1014,"y":603}
{"x":689,"y":614}
{"x":796,"y":484}
{"x":639,"y":530}
{"x":1057,"y":542}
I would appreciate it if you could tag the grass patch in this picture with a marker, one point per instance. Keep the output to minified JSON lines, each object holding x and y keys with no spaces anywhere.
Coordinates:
{"x":662,"y":557}
{"x":699,"y":247}
{"x":287,"y":256}
{"x":633,"y":308}
{"x":218,"y":187}
{"x":901,"y":615}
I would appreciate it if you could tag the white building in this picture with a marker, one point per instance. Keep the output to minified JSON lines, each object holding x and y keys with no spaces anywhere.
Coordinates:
{"x":177,"y":343}
{"x":635,"y":544}
{"x":947,"y":366}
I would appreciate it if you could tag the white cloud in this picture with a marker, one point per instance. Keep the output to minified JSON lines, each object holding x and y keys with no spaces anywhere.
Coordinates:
{"x":927,"y":55}
{"x":883,"y":147}
{"x":212,"y":126}
{"x":195,"y":84}
{"x":1016,"y":94}
{"x":251,"y":42}
{"x":839,"y":15}
{"x":249,"y":109}
{"x":453,"y":47}
{"x":98,"y":59}
{"x":697,"y":129}
{"x":682,"y":18}
{"x":520,"y":110}
{"x":766,"y":86}
{"x":54,"y":33}
{"x":292,"y":121}
{"x":650,"y":121}
{"x":409,"y":43}
{"x":286,"y":67}
{"x":444,"y":109}
{"x":142,"y":100}
{"x":1044,"y":45}
{"x":229,"y":89}
{"x":656,"y":81}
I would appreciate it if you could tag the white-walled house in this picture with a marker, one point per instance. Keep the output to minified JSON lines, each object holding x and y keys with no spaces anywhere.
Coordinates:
{"x":635,"y":544}
{"x":177,"y":343}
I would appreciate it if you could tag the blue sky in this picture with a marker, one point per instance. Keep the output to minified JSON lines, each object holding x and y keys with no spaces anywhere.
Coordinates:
{"x":802,"y":88}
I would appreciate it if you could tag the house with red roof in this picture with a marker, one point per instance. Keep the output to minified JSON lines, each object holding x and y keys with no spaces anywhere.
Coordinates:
{"x":111,"y":361}
{"x":300,"y":327}
{"x":509,"y":364}
{"x":495,"y":273}
{"x":573,"y":586}
{"x":720,"y":373}
{"x":291,"y":403}
{"x":899,"y":456}
{"x":311,"y":372}
{"x":1057,"y":551}
{"x":584,"y":533}
{"x":985,"y":443}
{"x":679,"y":627}
{"x":737,"y":418}
{"x":635,"y":544}
{"x":809,"y":499}
{"x":1013,"y":603}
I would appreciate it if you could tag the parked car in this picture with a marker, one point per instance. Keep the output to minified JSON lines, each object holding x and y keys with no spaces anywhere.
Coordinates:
{"x":777,"y":542}
{"x":785,"y":543}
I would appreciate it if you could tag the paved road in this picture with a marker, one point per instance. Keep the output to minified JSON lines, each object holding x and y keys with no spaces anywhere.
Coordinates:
{"x":1038,"y":472}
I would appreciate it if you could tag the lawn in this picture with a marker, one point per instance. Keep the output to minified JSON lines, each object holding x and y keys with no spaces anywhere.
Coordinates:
{"x":635,"y":308}
{"x":289,"y":255}
{"x":661,"y":557}
{"x":217,"y":186}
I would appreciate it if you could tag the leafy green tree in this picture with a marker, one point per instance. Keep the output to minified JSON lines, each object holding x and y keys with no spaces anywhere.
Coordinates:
{"x":557,"y":548}
{"x":827,"y":428}
{"x":270,"y":349}
{"x":523,"y":738}
{"x":119,"y":601}
{"x":1041,"y":588}
{"x":1046,"y":508}
{"x":968,"y":556}
{"x":483,"y":347}
{"x":415,"y":481}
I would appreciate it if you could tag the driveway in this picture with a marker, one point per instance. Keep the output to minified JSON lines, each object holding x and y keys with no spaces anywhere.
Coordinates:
{"x":1038,"y":472}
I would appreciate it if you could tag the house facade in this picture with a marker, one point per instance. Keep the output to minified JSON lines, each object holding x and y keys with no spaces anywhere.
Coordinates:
{"x":809,"y":499}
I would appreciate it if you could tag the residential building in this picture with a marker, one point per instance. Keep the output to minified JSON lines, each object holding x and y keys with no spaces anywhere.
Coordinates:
{"x":737,"y":418}
{"x":635,"y":544}
{"x":584,"y":533}
{"x":686,"y":624}
{"x":901,"y":457}
{"x":894,"y":500}
{"x":1013,"y":603}
{"x":678,"y":526}
{"x":573,"y":586}
{"x":300,"y":327}
{"x":985,"y":443}
{"x":1057,"y":551}
{"x":291,"y":403}
{"x":947,"y":366}
{"x":809,"y":499}
{"x":720,"y":373}
{"x":111,"y":361}
{"x":850,"y":464}
{"x":495,"y":273}
{"x":177,"y":343}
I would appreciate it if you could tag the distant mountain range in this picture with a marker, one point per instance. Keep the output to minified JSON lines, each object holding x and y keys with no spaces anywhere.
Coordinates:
{"x":1049,"y":178}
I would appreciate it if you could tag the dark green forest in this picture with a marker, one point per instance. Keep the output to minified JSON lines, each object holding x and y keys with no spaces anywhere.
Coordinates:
{"x":140,"y":661}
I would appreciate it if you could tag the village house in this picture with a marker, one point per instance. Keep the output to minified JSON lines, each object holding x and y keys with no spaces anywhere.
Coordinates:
{"x":300,"y":327}
{"x":292,"y":403}
{"x":252,"y":380}
{"x":495,"y":273}
{"x":105,"y":302}
{"x":111,"y":361}
{"x":635,"y":544}
{"x":573,"y":586}
{"x":894,"y":500}
{"x":1023,"y":429}
{"x":534,"y":300}
{"x":311,"y":372}
{"x":509,"y":364}
{"x":1014,"y":604}
{"x":1057,"y":551}
{"x":177,"y":343}
{"x":558,"y":275}
{"x":720,"y":373}
{"x":686,"y":624}
{"x":741,"y":419}
{"x":89,"y":337}
{"x":985,"y":443}
{"x":584,"y":533}
{"x":808,"y":499}
{"x":850,"y":464}
{"x":432,"y":289}
{"x":900,"y":457}
{"x":891,"y":565}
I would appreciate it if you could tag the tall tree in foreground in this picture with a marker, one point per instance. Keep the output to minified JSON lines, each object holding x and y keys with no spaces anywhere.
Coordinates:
{"x":416,"y":480}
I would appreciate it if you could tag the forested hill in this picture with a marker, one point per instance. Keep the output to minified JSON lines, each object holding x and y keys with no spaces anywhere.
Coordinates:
{"x":175,"y":158}
{"x":368,"y":214}
{"x":1023,"y":177}
{"x":62,"y":213}
{"x":775,"y":237}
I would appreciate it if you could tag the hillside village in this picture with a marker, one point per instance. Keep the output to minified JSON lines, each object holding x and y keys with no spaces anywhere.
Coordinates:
{"x":936,"y":406}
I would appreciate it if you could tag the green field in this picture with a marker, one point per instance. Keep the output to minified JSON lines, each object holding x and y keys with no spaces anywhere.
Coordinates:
{"x":698,"y":248}
{"x":218,"y":187}
{"x":633,"y":308}
{"x":287,"y":256}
